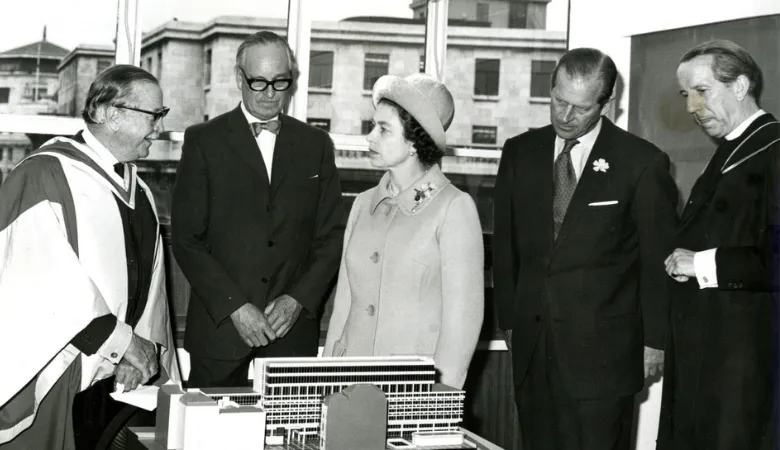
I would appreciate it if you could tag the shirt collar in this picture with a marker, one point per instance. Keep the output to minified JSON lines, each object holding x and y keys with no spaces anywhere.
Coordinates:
{"x":737,"y":132}
{"x":431,"y":183}
{"x":105,"y":158}
{"x":586,"y":140}
{"x":252,"y":119}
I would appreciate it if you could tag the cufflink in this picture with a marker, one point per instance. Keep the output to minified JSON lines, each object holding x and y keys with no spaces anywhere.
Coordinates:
{"x":706,"y":280}
{"x":114,"y":355}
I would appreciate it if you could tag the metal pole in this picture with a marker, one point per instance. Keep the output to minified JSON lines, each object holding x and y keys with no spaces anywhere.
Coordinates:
{"x":299,"y":38}
{"x":128,"y":32}
{"x":436,"y":38}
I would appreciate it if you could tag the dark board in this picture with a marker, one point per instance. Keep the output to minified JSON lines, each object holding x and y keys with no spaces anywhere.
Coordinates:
{"x":656,"y":109}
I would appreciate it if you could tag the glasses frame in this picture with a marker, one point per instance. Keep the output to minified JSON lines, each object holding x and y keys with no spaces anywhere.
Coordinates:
{"x":272,"y":83}
{"x":156,"y":115}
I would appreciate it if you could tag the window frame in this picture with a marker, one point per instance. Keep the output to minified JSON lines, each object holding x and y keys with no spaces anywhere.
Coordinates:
{"x":368,"y":83}
{"x":539,"y":87}
{"x":323,"y":74}
{"x":482,"y":79}
{"x":484,"y":130}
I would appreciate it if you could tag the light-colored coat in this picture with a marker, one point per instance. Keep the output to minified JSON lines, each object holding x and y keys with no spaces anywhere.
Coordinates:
{"x":411,"y":280}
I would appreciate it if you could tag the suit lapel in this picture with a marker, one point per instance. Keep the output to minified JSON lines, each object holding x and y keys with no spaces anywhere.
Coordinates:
{"x":589,"y":184}
{"x":541,"y":164}
{"x":283,"y":151}
{"x":241,"y":139}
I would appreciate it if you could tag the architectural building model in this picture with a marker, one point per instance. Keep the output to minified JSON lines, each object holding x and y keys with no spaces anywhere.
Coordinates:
{"x":291,"y":406}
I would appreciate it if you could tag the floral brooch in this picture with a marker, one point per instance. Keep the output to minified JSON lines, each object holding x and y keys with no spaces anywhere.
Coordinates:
{"x":423,"y":193}
{"x":600,"y":165}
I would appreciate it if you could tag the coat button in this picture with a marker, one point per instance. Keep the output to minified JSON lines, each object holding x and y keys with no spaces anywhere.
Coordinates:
{"x":270,"y":243}
{"x":538,"y":318}
{"x":371,"y":310}
{"x":375,"y":257}
{"x":264,"y":280}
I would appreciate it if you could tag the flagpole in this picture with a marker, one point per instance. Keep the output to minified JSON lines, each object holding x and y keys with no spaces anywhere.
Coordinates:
{"x":38,"y":67}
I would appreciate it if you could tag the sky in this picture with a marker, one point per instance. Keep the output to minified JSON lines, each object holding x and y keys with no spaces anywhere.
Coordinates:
{"x":73,"y":22}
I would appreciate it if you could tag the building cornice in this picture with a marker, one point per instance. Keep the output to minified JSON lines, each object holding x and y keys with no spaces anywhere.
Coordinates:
{"x":87,"y":50}
{"x":360,"y":32}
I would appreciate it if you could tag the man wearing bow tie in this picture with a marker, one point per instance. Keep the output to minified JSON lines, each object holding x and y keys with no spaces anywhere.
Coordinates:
{"x":82,"y":283}
{"x":584,"y":215}
{"x":257,"y":223}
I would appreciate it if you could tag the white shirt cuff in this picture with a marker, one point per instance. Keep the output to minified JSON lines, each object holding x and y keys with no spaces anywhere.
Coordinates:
{"x":117,"y":343}
{"x":705,"y":268}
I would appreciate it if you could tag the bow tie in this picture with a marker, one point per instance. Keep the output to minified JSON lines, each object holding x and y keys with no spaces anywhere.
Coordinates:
{"x":272,"y":125}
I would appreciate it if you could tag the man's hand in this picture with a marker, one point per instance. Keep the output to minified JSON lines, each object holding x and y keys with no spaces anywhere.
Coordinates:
{"x":679,"y":265}
{"x":142,"y":355}
{"x":282,"y":314}
{"x":252,"y":325}
{"x":654,"y":362}
{"x":128,"y":376}
{"x":508,"y":339}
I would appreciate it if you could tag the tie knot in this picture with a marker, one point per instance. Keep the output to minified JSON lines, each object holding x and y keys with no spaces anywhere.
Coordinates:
{"x":119,"y":168}
{"x":272,"y":125}
{"x":569,"y":144}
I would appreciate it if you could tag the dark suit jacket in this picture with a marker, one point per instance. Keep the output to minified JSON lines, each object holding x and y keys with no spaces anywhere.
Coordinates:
{"x":240,"y":240}
{"x":602,"y":281}
{"x":721,"y":371}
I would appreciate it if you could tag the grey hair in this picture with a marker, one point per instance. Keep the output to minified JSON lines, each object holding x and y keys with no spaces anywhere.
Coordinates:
{"x":589,"y":62}
{"x":113,"y":86}
{"x":729,"y":61}
{"x":268,"y":38}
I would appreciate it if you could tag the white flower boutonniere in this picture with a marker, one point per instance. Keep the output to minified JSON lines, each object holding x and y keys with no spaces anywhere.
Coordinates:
{"x":600,"y":165}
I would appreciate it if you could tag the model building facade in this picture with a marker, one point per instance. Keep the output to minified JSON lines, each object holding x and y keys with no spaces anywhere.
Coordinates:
{"x":293,"y":390}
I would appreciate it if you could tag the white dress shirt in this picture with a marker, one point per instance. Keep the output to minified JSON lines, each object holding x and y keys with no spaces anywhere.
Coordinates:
{"x":106,"y":159}
{"x":580,"y":152}
{"x":265,"y":140}
{"x":704,"y":262}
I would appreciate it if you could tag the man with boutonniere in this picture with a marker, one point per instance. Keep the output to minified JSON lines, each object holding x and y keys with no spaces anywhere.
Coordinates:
{"x":720,"y":391}
{"x":584,"y":216}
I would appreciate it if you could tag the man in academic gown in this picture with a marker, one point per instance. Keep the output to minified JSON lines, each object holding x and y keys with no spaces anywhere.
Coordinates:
{"x":720,"y":386}
{"x":82,"y":286}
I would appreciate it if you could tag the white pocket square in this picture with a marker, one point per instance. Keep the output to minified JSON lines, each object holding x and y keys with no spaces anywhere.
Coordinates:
{"x":608,"y":202}
{"x":314,"y":176}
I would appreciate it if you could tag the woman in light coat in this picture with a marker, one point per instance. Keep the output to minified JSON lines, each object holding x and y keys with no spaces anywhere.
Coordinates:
{"x":411,"y":277}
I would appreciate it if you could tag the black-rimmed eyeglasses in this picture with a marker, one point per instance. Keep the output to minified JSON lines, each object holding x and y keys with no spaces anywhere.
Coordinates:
{"x":261,"y":84}
{"x":156,"y":115}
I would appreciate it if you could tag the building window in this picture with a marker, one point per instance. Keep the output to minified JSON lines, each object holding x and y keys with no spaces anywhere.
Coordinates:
{"x":422,"y":63}
{"x":5,"y":93}
{"x":483,"y":12}
{"x":103,"y":64}
{"x":375,"y":66}
{"x":486,"y":76}
{"x":366,"y":126}
{"x":323,"y":124}
{"x":159,"y":64}
{"x":149,"y":64}
{"x":207,"y":69}
{"x":541,"y":71}
{"x":10,"y":67}
{"x":483,"y":135}
{"x":321,"y":69}
{"x":33,"y":94}
{"x":518,"y":15}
